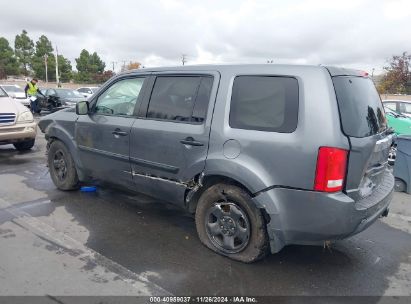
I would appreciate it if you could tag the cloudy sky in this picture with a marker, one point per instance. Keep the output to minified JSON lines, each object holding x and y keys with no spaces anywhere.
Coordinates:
{"x":361,"y":34}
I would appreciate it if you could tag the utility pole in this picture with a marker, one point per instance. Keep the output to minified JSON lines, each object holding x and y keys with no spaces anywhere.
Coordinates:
{"x":45,"y":63}
{"x":113,"y":63}
{"x":57,"y":68}
{"x":184,"y":58}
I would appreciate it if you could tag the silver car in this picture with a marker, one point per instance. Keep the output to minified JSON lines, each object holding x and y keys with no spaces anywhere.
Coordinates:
{"x":263,"y":155}
{"x":87,"y":91}
{"x":16,"y":92}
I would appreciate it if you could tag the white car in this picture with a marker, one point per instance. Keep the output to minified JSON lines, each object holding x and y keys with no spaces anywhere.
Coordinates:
{"x":399,"y":106}
{"x":14,"y":91}
{"x":87,"y":91}
{"x":17,"y":124}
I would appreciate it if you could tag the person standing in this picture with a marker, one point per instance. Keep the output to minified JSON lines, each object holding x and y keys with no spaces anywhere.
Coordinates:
{"x":32,"y":90}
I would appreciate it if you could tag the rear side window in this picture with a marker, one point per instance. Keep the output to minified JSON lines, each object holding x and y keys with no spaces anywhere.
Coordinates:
{"x":264,"y":103}
{"x":180,"y":98}
{"x":360,"y":106}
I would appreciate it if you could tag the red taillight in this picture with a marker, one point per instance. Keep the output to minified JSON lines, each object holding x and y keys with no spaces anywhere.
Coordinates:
{"x":330,"y":173}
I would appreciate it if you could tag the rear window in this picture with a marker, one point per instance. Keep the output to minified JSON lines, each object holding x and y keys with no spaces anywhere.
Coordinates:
{"x":360,"y":106}
{"x":264,"y":103}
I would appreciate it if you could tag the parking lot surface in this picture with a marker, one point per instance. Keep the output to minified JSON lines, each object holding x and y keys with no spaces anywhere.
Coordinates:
{"x":116,"y":243}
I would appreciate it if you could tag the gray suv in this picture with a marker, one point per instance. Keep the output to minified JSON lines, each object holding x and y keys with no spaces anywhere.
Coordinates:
{"x":263,"y":155}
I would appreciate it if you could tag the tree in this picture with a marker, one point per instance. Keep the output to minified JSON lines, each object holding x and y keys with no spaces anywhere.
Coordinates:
{"x":24,"y":49}
{"x":133,"y":65}
{"x":88,"y":66}
{"x":97,"y":65}
{"x":65,"y":69}
{"x":103,"y":77}
{"x":8,"y":62}
{"x":398,"y":75}
{"x":44,"y":48}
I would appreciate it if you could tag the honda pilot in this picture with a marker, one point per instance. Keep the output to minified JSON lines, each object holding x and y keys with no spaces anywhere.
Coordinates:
{"x":263,"y":155}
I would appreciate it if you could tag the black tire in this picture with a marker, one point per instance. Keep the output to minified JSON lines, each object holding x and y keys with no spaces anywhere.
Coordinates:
{"x":62,"y":168}
{"x":24,"y":145}
{"x":231,"y":199}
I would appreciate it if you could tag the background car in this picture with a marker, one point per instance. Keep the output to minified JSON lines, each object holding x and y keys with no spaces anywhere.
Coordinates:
{"x":399,"y":106}
{"x":67,"y":97}
{"x":17,"y":125}
{"x":399,"y":122}
{"x":16,"y":92}
{"x":401,"y":125}
{"x":87,"y":91}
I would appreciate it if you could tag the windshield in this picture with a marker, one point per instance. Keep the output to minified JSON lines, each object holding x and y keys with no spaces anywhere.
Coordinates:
{"x":2,"y":93}
{"x":360,"y":106}
{"x":13,"y":89}
{"x":69,"y":94}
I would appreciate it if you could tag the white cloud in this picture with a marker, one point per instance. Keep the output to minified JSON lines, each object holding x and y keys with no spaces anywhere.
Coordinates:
{"x":361,"y":34}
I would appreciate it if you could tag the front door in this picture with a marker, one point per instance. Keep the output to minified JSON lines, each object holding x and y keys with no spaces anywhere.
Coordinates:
{"x":168,"y":147}
{"x":103,"y":136}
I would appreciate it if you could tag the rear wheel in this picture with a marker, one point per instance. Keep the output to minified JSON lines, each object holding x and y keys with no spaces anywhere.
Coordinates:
{"x":62,"y":168}
{"x":228,"y":223}
{"x":24,"y":145}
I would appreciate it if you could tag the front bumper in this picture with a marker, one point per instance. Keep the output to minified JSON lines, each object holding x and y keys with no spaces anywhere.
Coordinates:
{"x":309,"y":217}
{"x":18,"y":132}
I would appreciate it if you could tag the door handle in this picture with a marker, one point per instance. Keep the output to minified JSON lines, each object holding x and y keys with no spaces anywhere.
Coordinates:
{"x":191,"y":142}
{"x":118,"y":132}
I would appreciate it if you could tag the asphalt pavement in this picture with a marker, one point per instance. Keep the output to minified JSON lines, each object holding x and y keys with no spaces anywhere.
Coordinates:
{"x":116,"y":243}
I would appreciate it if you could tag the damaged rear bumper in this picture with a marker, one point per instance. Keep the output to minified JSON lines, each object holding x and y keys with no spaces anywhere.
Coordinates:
{"x":310,"y":217}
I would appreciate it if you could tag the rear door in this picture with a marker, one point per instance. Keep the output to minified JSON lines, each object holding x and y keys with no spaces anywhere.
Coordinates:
{"x":168,"y":145}
{"x":363,"y":122}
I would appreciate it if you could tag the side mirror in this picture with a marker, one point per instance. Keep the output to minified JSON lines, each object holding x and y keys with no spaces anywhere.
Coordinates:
{"x":82,"y":108}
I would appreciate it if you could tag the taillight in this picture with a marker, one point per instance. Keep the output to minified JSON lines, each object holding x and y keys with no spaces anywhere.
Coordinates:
{"x":331,"y":166}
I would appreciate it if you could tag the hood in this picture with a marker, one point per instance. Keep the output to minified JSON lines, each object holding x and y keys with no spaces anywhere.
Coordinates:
{"x":19,"y":95}
{"x":9,"y":105}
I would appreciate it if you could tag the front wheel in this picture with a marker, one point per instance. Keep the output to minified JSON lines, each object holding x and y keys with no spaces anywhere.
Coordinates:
{"x":228,"y":223}
{"x":62,"y":168}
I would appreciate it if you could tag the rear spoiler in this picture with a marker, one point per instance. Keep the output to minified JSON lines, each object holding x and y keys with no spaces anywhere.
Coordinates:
{"x":334,"y":71}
